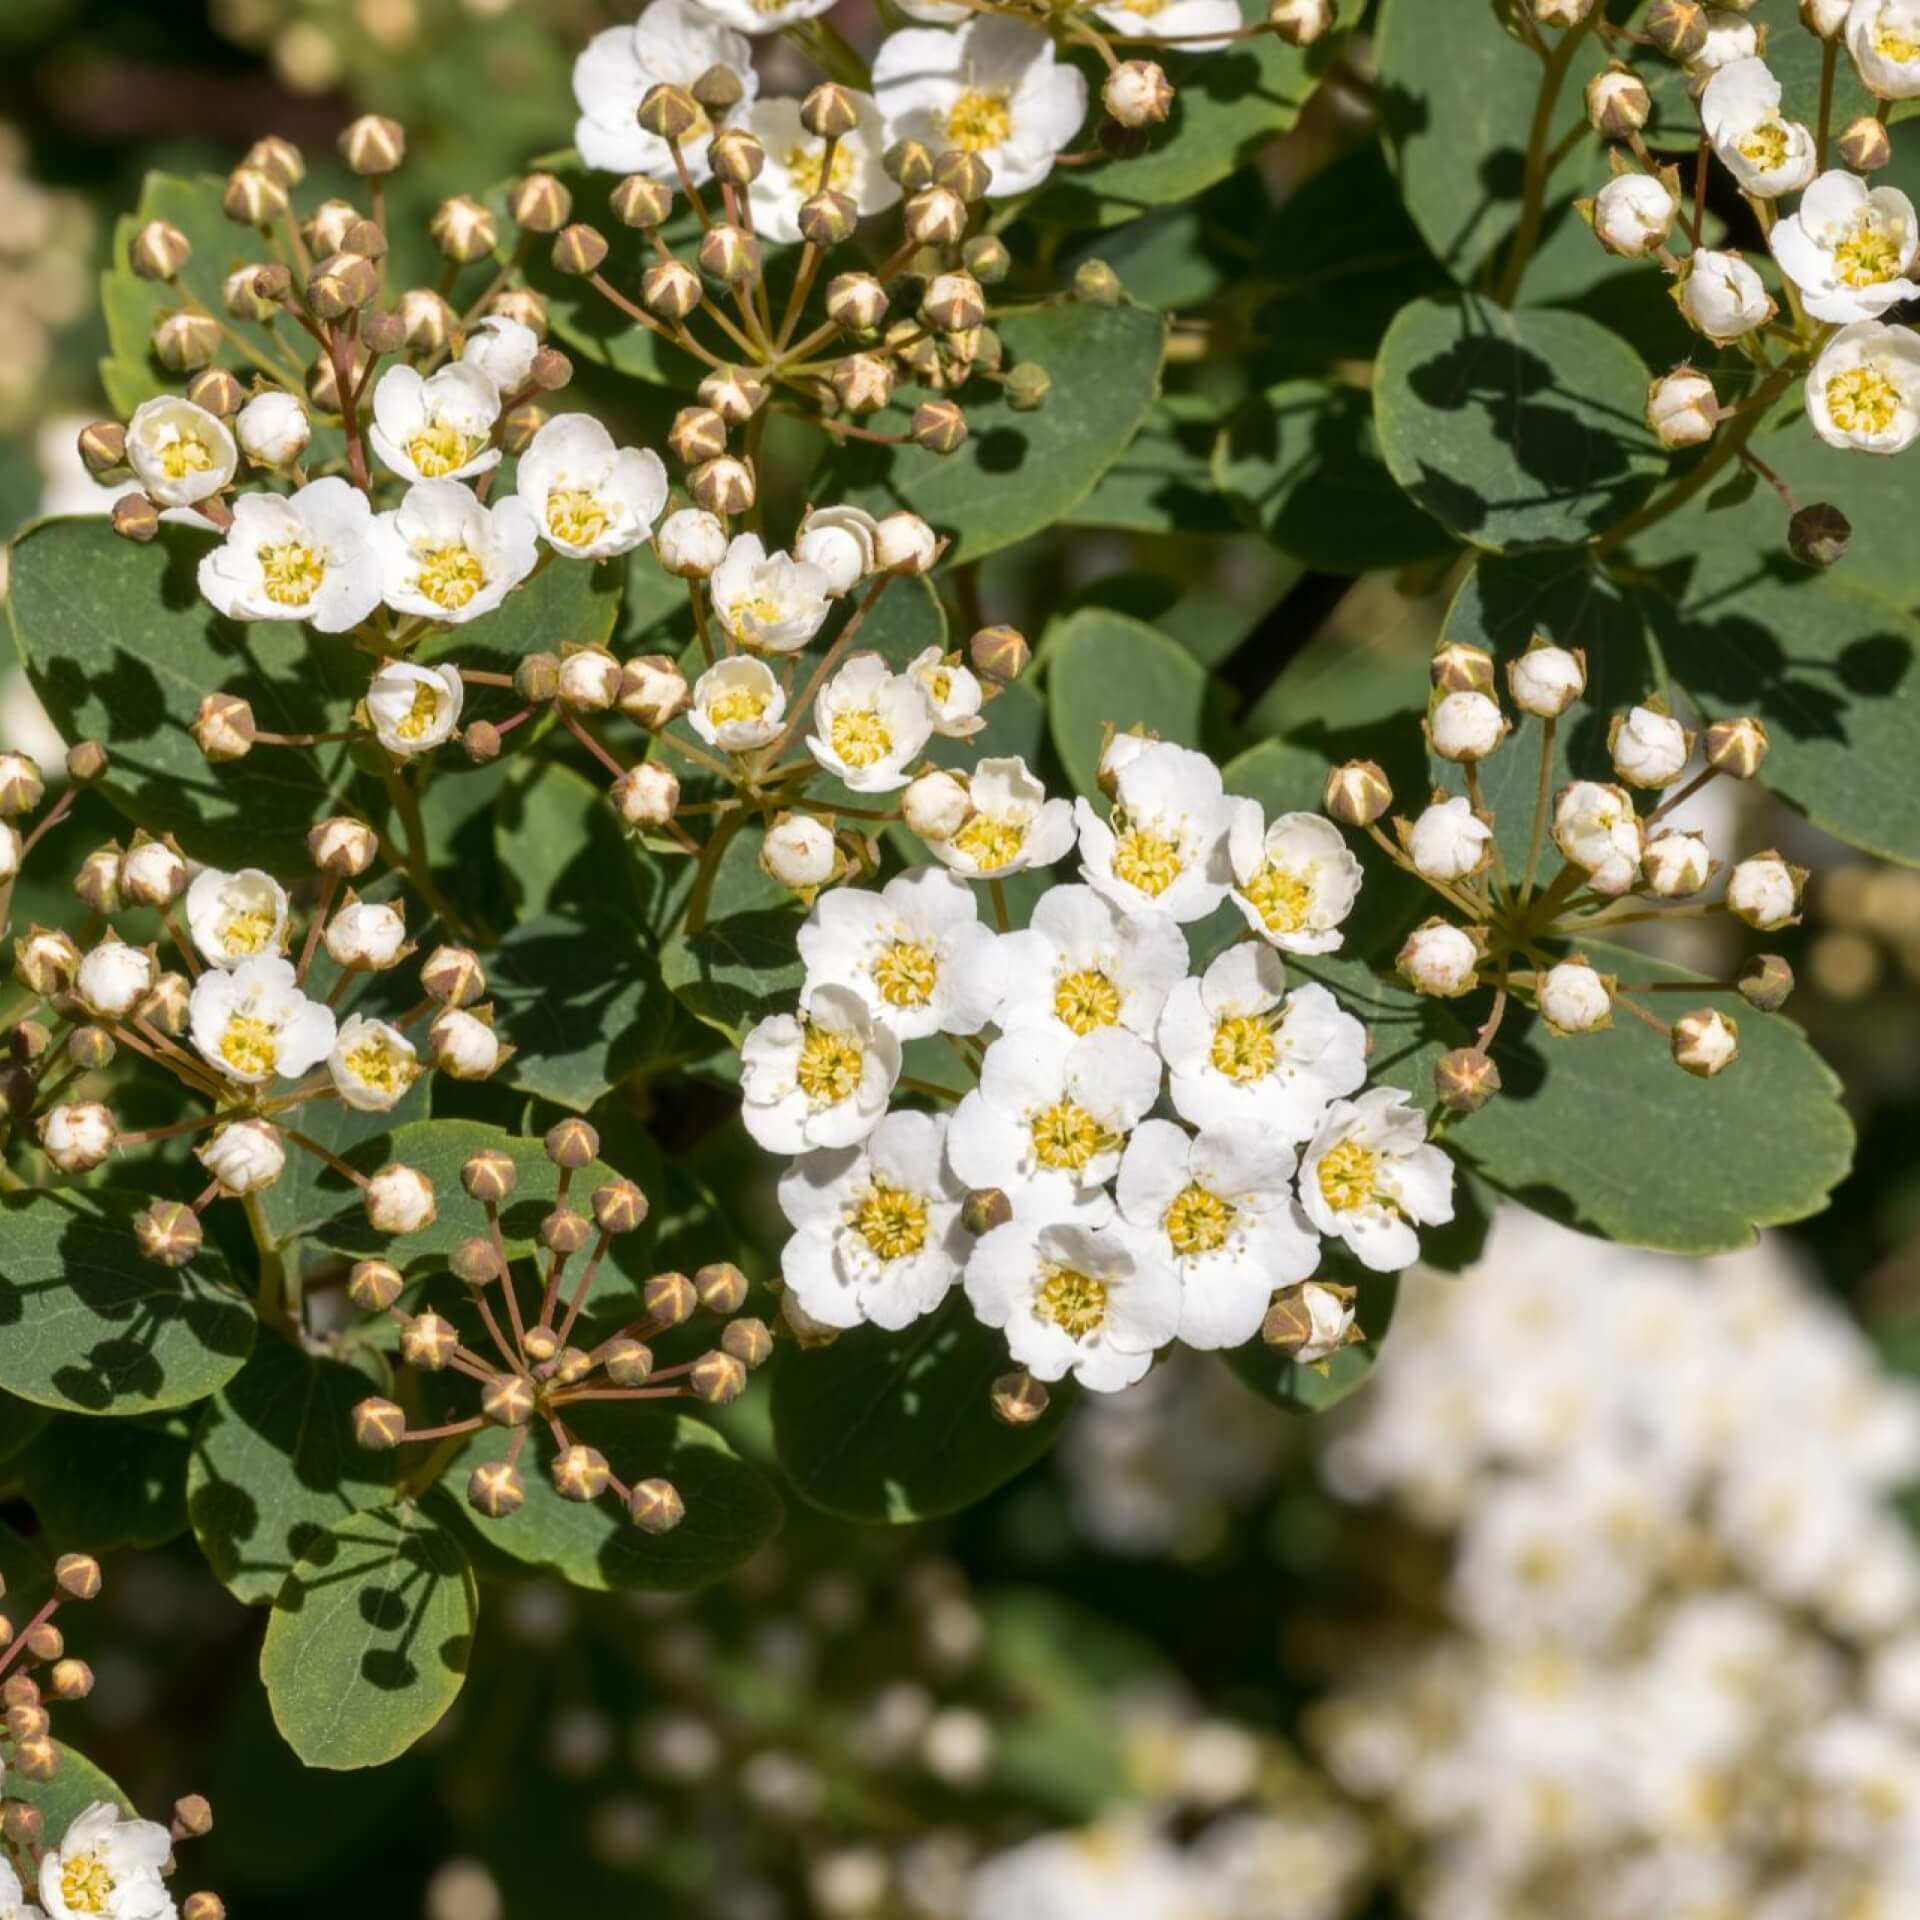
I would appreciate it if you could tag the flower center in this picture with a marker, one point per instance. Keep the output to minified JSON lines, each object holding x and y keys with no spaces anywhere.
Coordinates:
{"x":1143,"y":858}
{"x":1066,"y":1136}
{"x":85,"y":1884}
{"x":829,"y":1069}
{"x":1085,"y":1000}
{"x":185,"y":455}
{"x":979,"y":120}
{"x":247,"y":931}
{"x":1349,"y":1173}
{"x":451,"y":576}
{"x":991,"y":843}
{"x":1767,"y":146}
{"x":1199,"y":1221}
{"x":736,"y":706}
{"x":1280,"y":898}
{"x":1868,"y":255}
{"x":1891,"y":44}
{"x":379,"y":1064}
{"x":859,"y":736}
{"x":803,"y":163}
{"x":1075,"y":1302}
{"x":905,"y":973}
{"x":1243,"y":1047}
{"x":250,"y":1046}
{"x":575,"y":516}
{"x":892,"y":1221}
{"x":419,"y":718}
{"x":440,"y":448}
{"x":1862,"y":400}
{"x":291,"y":572}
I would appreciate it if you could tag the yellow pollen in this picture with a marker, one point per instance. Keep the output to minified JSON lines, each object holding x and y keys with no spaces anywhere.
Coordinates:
{"x":1144,"y":859}
{"x":762,"y":608}
{"x":829,"y":1069}
{"x":85,"y":1883}
{"x":451,"y":576}
{"x":420,"y":717}
{"x":1862,"y":400}
{"x":905,"y":973}
{"x":291,"y":572}
{"x":1075,"y":1302}
{"x":1767,"y":146}
{"x":736,"y":706}
{"x":1086,"y":1000}
{"x":250,"y":1046}
{"x":1891,"y":44}
{"x":1280,"y":898}
{"x":940,"y":685}
{"x":1244,"y":1048}
{"x":377,"y":1063}
{"x":859,"y":736}
{"x":575,"y":516}
{"x":188,"y":454}
{"x":1067,"y":1137}
{"x":992,"y":844}
{"x":1348,"y":1175}
{"x":892,"y":1221}
{"x":1868,"y":255}
{"x":803,"y":164}
{"x":1199,"y":1221}
{"x":979,"y":120}
{"x":246,"y":932}
{"x":439,"y":449}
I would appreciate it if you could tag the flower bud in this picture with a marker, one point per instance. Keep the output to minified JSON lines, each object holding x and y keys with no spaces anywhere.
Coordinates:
{"x":829,"y":112}
{"x":655,"y":1506}
{"x":1864,"y":145}
{"x":341,"y":284}
{"x":669,"y":1298}
{"x":167,"y":1233}
{"x":184,"y":342}
{"x":426,"y":318}
{"x":496,"y":1490}
{"x":1440,"y":959}
{"x":507,"y":1399}
{"x":1736,"y":746}
{"x":1632,"y":214}
{"x":1765,"y":892}
{"x":1138,"y":93}
{"x":489,"y":1176}
{"x":579,"y":1472}
{"x":342,"y":846}
{"x":904,"y":543}
{"x":273,"y":430}
{"x":103,"y":446}
{"x":1648,"y":748}
{"x":325,"y":229}
{"x":1018,"y":1399}
{"x":962,"y":173}
{"x":640,"y":202}
{"x":908,"y":165}
{"x":856,"y":302}
{"x":152,"y":873}
{"x":1618,"y":103}
{"x":719,"y":89}
{"x":720,"y":1287}
{"x":723,"y":486}
{"x":538,"y":203}
{"x":619,"y":1207}
{"x":748,"y":1341}
{"x":373,"y":145}
{"x":255,"y":294}
{"x":653,"y":691}
{"x":1824,"y":17}
{"x":1574,"y":998}
{"x":862,"y":382}
{"x":218,"y":391}
{"x":399,"y":1200}
{"x":589,"y":680}
{"x":1546,"y":680}
{"x":86,"y":762}
{"x":159,"y":250}
{"x":1464,"y":1080}
{"x":453,"y":976}
{"x":953,"y":301}
{"x":1681,"y":408}
{"x":1676,"y":865}
{"x":77,"y":1136}
{"x":1459,"y":668}
{"x":1705,"y":1042}
{"x":463,"y":230}
{"x":647,"y":795}
{"x":46,"y":961}
{"x":1766,"y":982}
{"x":717,"y":1378}
{"x":246,"y":1156}
{"x":827,"y":218}
{"x":1300,"y":22}
{"x":572,"y":1144}
{"x":374,"y":1285}
{"x":939,"y":426}
{"x":999,"y":653}
{"x":428,"y":1342}
{"x":1466,"y":726}
{"x":1678,"y":28}
{"x":253,"y":198}
{"x":1357,"y":793}
{"x":223,"y":727}
{"x":935,"y":217}
{"x":135,"y":518}
{"x":522,"y":305}
{"x":697,"y":434}
{"x":1095,"y":284}
{"x":690,"y":543}
{"x":1310,"y":1323}
{"x":935,"y":806}
{"x":671,"y":289}
{"x":21,"y":786}
{"x":1819,"y":535}
{"x":734,"y":394}
{"x":799,"y":851}
{"x":1028,"y":384}
{"x":378,"y":1425}
{"x":668,"y":112}
{"x":578,"y":249}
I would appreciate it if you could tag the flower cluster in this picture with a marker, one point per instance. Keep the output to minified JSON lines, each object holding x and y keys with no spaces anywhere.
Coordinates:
{"x":1624,"y":862}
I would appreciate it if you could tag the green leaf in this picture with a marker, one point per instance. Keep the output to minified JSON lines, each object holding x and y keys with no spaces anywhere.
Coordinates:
{"x":1163,"y":483}
{"x":897,"y":1427}
{"x":1513,"y":429}
{"x":21,"y":1423}
{"x":1019,"y":472}
{"x":1301,"y":463}
{"x":564,"y":603}
{"x":91,"y":1327}
{"x":368,"y":1642}
{"x":77,"y":1784}
{"x":732,"y":1510}
{"x":560,"y":844}
{"x":1298,"y":1389}
{"x":275,"y":1464}
{"x":742,"y":962}
{"x":1104,"y":669}
{"x":97,"y":1485}
{"x":121,"y":648}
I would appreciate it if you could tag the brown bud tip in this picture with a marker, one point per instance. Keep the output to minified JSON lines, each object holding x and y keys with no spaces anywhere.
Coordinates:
{"x":572,"y":1144}
{"x":378,"y":1425}
{"x":463,"y":230}
{"x":1736,"y":747}
{"x":571,"y":1365}
{"x":551,"y":370}
{"x":489,"y":1176}
{"x":1819,"y":535}
{"x":724,"y":486}
{"x":719,"y":90}
{"x":537,"y":677}
{"x":939,"y":426}
{"x":697,"y":434}
{"x":1018,"y":1399}
{"x":482,"y":742}
{"x":579,"y":249}
{"x":37,"y":1759}
{"x":1464,"y":1080}
{"x":737,"y":157}
{"x":619,"y":1206}
{"x":748,"y":1341}
{"x":999,"y":653}
{"x":828,"y":218}
{"x":671,"y":289}
{"x":564,"y":1231}
{"x":383,"y":332}
{"x":717,"y":1378}
{"x":507,"y":1400}
{"x":77,"y":1575}
{"x":159,"y":251}
{"x":1766,"y":982}
{"x":1705,"y":1042}
{"x":203,"y":1906}
{"x":985,"y":256}
{"x":86,"y":762}
{"x":856,"y":302}
{"x":985,"y":1209}
{"x":167,"y":1233}
{"x":23,"y":1824}
{"x":496,"y":1490}
{"x":45,"y":1642}
{"x":224,"y":726}
{"x":1678,"y":28}
{"x":453,"y":976}
{"x":935,"y":217}
{"x":1864,"y":145}
{"x":217,"y":390}
{"x":829,"y":112}
{"x":1096,"y":284}
{"x":474,"y":1262}
{"x":862,"y":382}
{"x":729,"y":254}
{"x":1457,"y":668}
{"x":640,"y":202}
{"x":580,"y":1473}
{"x":373,"y":144}
{"x":1288,"y":1325}
{"x":655,"y":1506}
{"x":541,"y":1343}
{"x":539,"y":203}
{"x":909,"y":165}
{"x":670,"y":1299}
{"x":962,"y":173}
{"x":135,"y":517}
{"x":720,"y":1287}
{"x":668,"y":112}
{"x":253,"y":197}
{"x":1357,"y":794}
{"x":103,"y":446}
{"x":1028,"y":384}
{"x":629,"y":1363}
{"x":374,"y":1285}
{"x":192,"y":1817}
{"x":70,"y":1680}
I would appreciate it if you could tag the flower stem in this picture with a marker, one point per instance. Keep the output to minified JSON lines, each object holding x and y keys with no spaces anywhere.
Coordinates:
{"x":1534,"y":195}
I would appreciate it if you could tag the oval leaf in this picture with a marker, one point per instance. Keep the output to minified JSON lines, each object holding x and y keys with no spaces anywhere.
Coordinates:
{"x":1104,"y":669}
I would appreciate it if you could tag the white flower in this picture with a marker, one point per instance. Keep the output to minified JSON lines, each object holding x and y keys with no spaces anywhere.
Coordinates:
{"x":1219,"y":21}
{"x":1439,"y":959}
{"x":691,"y":543}
{"x":841,"y":542}
{"x":737,"y":705}
{"x":672,"y":44}
{"x":818,"y":1079}
{"x":1633,"y":213}
{"x":1682,"y":409}
{"x":1010,"y":824}
{"x":1164,"y":849}
{"x":793,"y":172}
{"x":952,"y":692}
{"x":273,"y":429}
{"x":1369,"y":1176}
{"x":915,"y":952}
{"x":446,"y":556}
{"x":77,"y":1136}
{"x":254,"y":1022}
{"x":1864,"y":389}
{"x":234,"y":916}
{"x":869,"y":723}
{"x":12,"y":850}
{"x":993,"y":87}
{"x":935,"y":805}
{"x":877,"y":1229}
{"x":304,"y":556}
{"x":904,"y":543}
{"x":588,"y":497}
{"x":503,"y":349}
{"x":463,"y":1045}
{"x":1218,"y":1210}
{"x":1740,"y":111}
{"x":1649,"y":749}
{"x":769,"y":601}
{"x":1574,"y":998}
{"x":1073,"y":1297}
{"x":1081,"y":962}
{"x":1884,"y":38}
{"x":1729,"y":39}
{"x":1243,"y":1051}
{"x":113,"y":978}
{"x":1597,"y":829}
{"x":399,"y":1200}
{"x":1052,"y":1111}
{"x":372,"y":1064}
{"x":367,"y":933}
{"x":1763,"y":891}
{"x":412,"y":709}
{"x":799,"y":851}
{"x":761,"y":16}
{"x":180,"y":453}
{"x":1848,"y":247}
{"x":1676,"y":865}
{"x":1722,"y":295}
{"x":107,"y":1864}
{"x":245,"y":1156}
{"x":1547,"y":680}
{"x":436,"y":427}
{"x":1449,"y":841}
{"x":1295,"y":882}
{"x":1466,"y":725}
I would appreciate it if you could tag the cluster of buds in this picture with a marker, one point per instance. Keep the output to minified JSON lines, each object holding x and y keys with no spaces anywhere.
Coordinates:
{"x":1507,"y":931}
{"x":529,"y":1366}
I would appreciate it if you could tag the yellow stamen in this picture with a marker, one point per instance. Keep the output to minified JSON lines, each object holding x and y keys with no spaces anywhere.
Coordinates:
{"x":979,"y":120}
{"x":905,"y":974}
{"x":441,"y":448}
{"x":892,"y":1221}
{"x":1144,"y":859}
{"x":379,"y":1064}
{"x":1280,"y":898}
{"x":803,"y":164}
{"x":1199,"y":1221}
{"x":575,"y":516}
{"x":85,"y":1883}
{"x":291,"y":572}
{"x":1891,"y":44}
{"x":1767,"y":146}
{"x":991,"y":843}
{"x":451,"y":576}
{"x":1349,"y":1174}
{"x":419,"y":718}
{"x":1086,"y":1000}
{"x":1868,"y":255}
{"x":1075,"y":1302}
{"x":250,"y":1046}
{"x":185,"y":455}
{"x":736,"y":706}
{"x":1244,"y":1048}
{"x":829,"y":1069}
{"x":247,"y":931}
{"x":1862,"y":400}
{"x":859,"y":736}
{"x":1067,"y":1137}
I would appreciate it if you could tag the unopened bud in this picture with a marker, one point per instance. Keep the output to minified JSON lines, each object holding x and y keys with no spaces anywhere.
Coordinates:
{"x":719,"y":89}
{"x":23,"y":1824}
{"x":474,"y":1263}
{"x":1766,"y":982}
{"x":463,"y":230}
{"x":279,"y":157}
{"x":378,"y":1425}
{"x":489,"y":1176}
{"x":729,"y":254}
{"x":70,"y":1680}
{"x":572,"y":1144}
{"x":203,"y":1905}
{"x":325,"y":228}
{"x":539,"y":204}
{"x":580,"y":1473}
{"x":1618,"y":103}
{"x":342,"y":846}
{"x":224,"y":727}
{"x":523,"y":305}
{"x":192,"y":1817}
{"x":167,"y":1233}
{"x":671,"y":289}
{"x":37,"y":1759}
{"x":374,"y":1285}
{"x":135,"y":517}
{"x":1096,"y":284}
{"x":984,"y":1209}
{"x":640,"y":202}
{"x":1705,"y":1042}
{"x":426,"y":320}
{"x":954,"y":301}
{"x":1357,"y":794}
{"x":159,"y":250}
{"x":518,"y":428}
{"x":939,"y":426}
{"x":723,"y":486}
{"x":1138,"y":93}
{"x":717,"y":1378}
{"x":669,"y":1298}
{"x":830,"y":112}
{"x":736,"y":157}
{"x":253,"y":198}
{"x":747,"y":1341}
{"x":962,"y":173}
{"x":496,"y":1490}
{"x":862,"y":382}
{"x":734,"y":394}
{"x":184,"y":342}
{"x":827,"y":218}
{"x":1018,"y":1399}
{"x":1735,"y":747}
{"x":720,"y":1287}
{"x":1864,"y":145}
{"x":536,"y":678}
{"x":668,"y":112}
{"x":1301,"y":22}
{"x":1819,"y":535}
{"x":985,"y":256}
{"x":655,"y":1506}
{"x":341,"y":284}
{"x":578,"y":249}
{"x":77,"y":1575}
{"x":935,"y":217}
{"x":507,"y":1400}
{"x":697,"y":434}
{"x":1678,"y":28}
{"x":373,"y":144}
{"x":86,"y":762}
{"x":1464,"y":1080}
{"x":1458,"y":668}
{"x":103,"y":446}
{"x":218,"y":391}
{"x":453,"y":976}
{"x":999,"y":653}
{"x":1027,"y":386}
{"x":254,"y":293}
